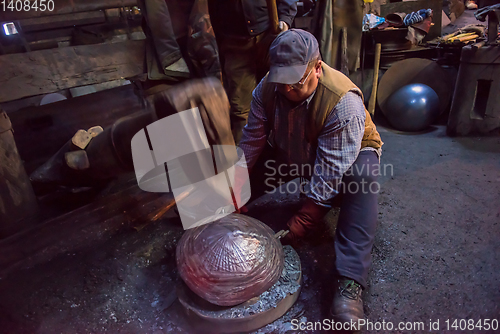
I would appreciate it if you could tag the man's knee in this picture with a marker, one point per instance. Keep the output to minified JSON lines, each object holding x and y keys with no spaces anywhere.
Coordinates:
{"x":360,"y":173}
{"x":362,"y":177}
{"x":366,"y":168}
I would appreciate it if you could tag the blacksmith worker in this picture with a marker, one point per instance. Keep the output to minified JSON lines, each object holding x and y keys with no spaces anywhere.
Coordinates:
{"x":306,"y":113}
{"x":242,"y":29}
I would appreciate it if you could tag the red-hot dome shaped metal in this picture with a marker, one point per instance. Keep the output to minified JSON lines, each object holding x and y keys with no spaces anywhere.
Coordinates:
{"x":230,"y":261}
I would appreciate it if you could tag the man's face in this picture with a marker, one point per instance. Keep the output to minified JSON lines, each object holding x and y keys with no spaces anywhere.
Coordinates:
{"x":303,"y":89}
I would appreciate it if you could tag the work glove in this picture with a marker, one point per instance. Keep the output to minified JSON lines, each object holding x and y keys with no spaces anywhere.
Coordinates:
{"x":283,"y":26}
{"x":309,"y":216}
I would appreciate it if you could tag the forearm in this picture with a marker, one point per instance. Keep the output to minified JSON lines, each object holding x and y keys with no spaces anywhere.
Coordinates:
{"x":287,"y":9}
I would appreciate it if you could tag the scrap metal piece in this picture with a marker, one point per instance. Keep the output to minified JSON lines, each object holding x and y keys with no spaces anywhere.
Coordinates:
{"x":81,"y":139}
{"x":77,"y":160}
{"x":95,"y":130}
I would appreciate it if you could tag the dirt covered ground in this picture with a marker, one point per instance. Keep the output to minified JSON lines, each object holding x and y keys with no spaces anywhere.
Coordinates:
{"x":436,"y":255}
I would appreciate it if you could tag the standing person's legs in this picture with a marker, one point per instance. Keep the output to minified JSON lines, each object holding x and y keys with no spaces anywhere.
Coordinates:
{"x":244,"y":64}
{"x":264,"y":41}
{"x":239,"y":80}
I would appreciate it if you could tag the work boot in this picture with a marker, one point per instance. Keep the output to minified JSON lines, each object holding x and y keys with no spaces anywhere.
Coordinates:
{"x":347,"y":305}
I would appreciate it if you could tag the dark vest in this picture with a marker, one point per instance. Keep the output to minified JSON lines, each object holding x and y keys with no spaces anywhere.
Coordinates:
{"x":332,"y":86}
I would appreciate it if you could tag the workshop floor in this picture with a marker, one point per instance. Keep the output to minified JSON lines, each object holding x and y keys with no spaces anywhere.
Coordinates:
{"x":436,"y":254}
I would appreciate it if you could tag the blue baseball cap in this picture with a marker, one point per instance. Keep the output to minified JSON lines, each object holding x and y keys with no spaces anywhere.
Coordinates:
{"x":289,"y":55}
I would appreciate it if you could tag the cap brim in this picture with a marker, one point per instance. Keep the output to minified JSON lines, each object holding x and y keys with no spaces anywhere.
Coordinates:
{"x":286,"y":74}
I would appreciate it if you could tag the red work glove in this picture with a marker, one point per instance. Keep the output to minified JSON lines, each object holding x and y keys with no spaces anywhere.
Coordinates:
{"x":309,"y":215}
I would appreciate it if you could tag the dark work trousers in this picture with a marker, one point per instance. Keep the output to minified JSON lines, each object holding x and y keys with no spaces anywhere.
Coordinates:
{"x":358,"y":218}
{"x":244,"y":61}
{"x":358,"y":203}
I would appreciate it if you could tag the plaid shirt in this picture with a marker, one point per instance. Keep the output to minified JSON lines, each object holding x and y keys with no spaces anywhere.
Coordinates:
{"x":339,"y":142}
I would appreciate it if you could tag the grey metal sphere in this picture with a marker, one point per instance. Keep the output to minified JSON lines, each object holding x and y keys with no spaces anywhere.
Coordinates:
{"x":412,"y":107}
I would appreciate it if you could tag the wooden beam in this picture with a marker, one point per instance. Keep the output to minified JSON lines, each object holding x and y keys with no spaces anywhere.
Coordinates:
{"x":59,"y":21}
{"x":48,"y":71}
{"x":36,"y":36}
{"x":66,"y":7}
{"x":99,"y":220}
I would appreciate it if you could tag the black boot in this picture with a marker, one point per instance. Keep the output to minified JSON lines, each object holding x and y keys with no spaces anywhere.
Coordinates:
{"x":347,"y":305}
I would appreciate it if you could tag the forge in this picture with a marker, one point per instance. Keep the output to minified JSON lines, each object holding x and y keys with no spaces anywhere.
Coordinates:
{"x":252,"y":314}
{"x":236,"y":275}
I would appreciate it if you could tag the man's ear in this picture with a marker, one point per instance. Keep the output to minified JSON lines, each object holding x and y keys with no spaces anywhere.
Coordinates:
{"x":318,"y":68}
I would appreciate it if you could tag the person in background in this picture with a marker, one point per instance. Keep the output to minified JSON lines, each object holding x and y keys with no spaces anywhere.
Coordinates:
{"x":242,"y":30}
{"x":181,"y":44}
